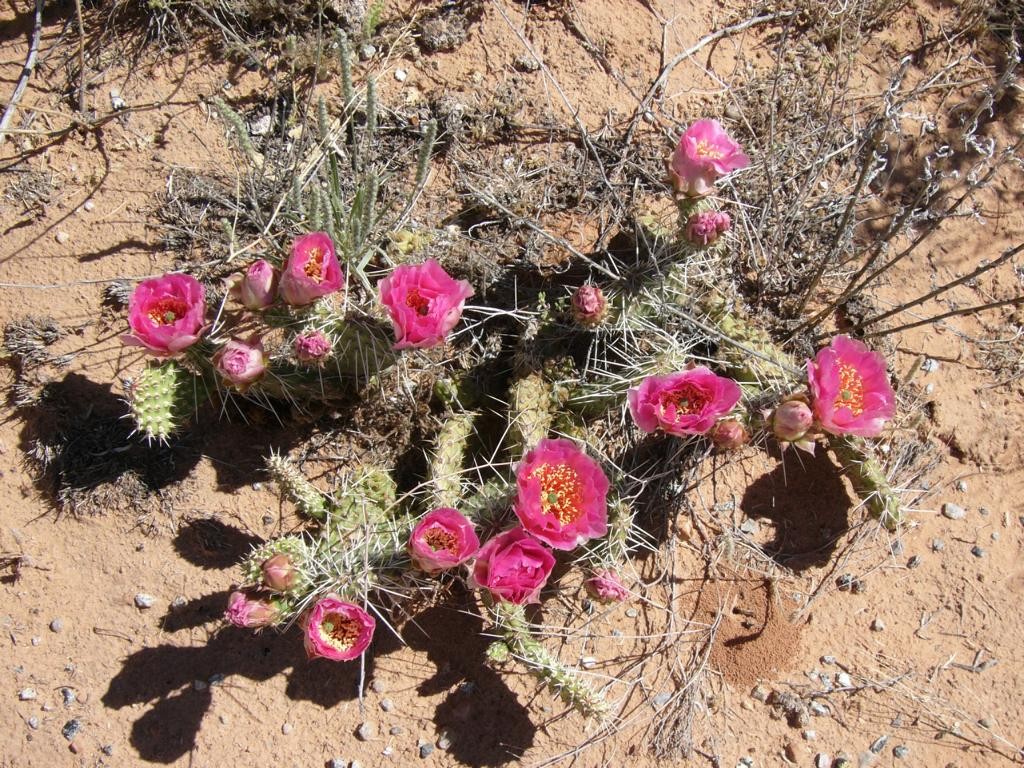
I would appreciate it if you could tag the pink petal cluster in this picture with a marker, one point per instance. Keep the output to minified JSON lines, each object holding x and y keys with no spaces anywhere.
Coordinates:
{"x":513,"y":566}
{"x":241,"y":362}
{"x":605,"y":586}
{"x":312,"y":347}
{"x":683,"y":403}
{"x":850,"y":389}
{"x":562,"y":494}
{"x":337,"y":630}
{"x":704,"y":228}
{"x":311,"y":271}
{"x":705,"y":153}
{"x":258,"y":286}
{"x":250,"y":611}
{"x":424,"y":303}
{"x":166,"y":314}
{"x":589,"y":305}
{"x":443,"y":539}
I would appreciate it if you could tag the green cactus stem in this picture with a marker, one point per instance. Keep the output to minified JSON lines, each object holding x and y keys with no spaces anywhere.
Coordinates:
{"x":296,"y":487}
{"x":449,"y":455}
{"x":369,"y":498}
{"x":163,"y":397}
{"x":490,"y":505}
{"x":565,"y":682}
{"x":529,"y":412}
{"x":858,"y":460}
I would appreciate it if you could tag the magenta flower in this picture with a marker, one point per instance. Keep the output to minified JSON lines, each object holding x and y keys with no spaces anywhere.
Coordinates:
{"x":250,"y":610}
{"x":279,"y":573}
{"x":850,"y":389}
{"x":705,"y":152}
{"x":605,"y":586}
{"x":589,"y":305}
{"x":312,"y":347}
{"x":704,"y":228}
{"x":241,"y":362}
{"x":337,"y":630}
{"x":684,"y":403}
{"x":729,"y":434}
{"x":562,"y":498}
{"x":311,"y":271}
{"x":258,"y":286}
{"x":424,"y":302}
{"x":166,"y":314}
{"x":442,"y":539}
{"x":513,"y":566}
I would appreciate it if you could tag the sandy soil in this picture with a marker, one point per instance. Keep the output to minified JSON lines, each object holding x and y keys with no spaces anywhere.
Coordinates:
{"x":169,"y":684}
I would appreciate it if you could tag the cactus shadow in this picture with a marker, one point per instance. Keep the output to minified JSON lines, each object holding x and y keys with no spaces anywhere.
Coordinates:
{"x":164,"y":677}
{"x":485,"y":721}
{"x":210,"y":543}
{"x":808,"y":504}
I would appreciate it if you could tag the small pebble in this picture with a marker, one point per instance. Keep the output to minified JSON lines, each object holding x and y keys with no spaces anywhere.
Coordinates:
{"x":337,"y":762}
{"x":62,"y":236}
{"x":387,"y":705}
{"x":961,"y":485}
{"x":995,"y":535}
{"x":88,"y":205}
{"x":287,"y":729}
{"x":914,"y":561}
{"x":57,"y":625}
{"x":526,"y":63}
{"x":732,"y":112}
{"x":828,"y":659}
{"x":986,"y":722}
{"x":366,"y":52}
{"x":216,"y":678}
{"x":845,"y":582}
{"x":877,"y":625}
{"x":36,"y":640}
{"x":33,"y":723}
{"x":661,"y":699}
{"x":843,"y":680}
{"x":938,"y":545}
{"x":822,"y":760}
{"x":809,"y":735}
{"x":901,"y":751}
{"x":27,"y":694}
{"x":377,"y":686}
{"x":75,"y":749}
{"x":930,"y":365}
{"x":953,"y":511}
{"x":387,"y":751}
{"x":749,"y":526}
{"x":355,"y":764}
{"x":859,"y":587}
{"x":588,"y":662}
{"x":178,"y":603}
{"x":426,"y":750}
{"x":818,"y":709}
{"x":396,"y":730}
{"x":268,"y":519}
{"x":747,"y":762}
{"x":400,"y":76}
{"x":107,"y":749}
{"x":143,"y":601}
{"x":760,"y":693}
{"x":977,"y":551}
{"x":879,"y":744}
{"x":632,"y":613}
{"x":71,"y":729}
{"x":365,"y":732}
{"x":68,"y":695}
{"x":444,"y":742}
{"x":200,"y":685}
{"x":896,"y":547}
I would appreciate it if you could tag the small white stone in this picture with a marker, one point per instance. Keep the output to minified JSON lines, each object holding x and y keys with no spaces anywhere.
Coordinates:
{"x":401,"y":75}
{"x":27,"y":694}
{"x":62,"y":236}
{"x":143,"y":601}
{"x":88,"y":205}
{"x":588,"y":662}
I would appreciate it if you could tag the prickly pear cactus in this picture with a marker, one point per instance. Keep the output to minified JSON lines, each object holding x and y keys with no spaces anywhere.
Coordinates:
{"x":162,"y":398}
{"x":296,"y":487}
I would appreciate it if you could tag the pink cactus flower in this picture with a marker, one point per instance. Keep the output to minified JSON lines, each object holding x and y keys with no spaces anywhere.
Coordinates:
{"x":513,"y":566}
{"x":729,"y":434}
{"x":443,"y":539}
{"x":258,"y":286}
{"x":424,"y":302}
{"x":850,"y":389}
{"x":241,"y":362}
{"x":337,"y":630}
{"x":705,"y":152}
{"x":562,"y":498}
{"x":605,"y":586}
{"x":704,"y":228}
{"x":250,"y":610}
{"x":791,"y":420}
{"x":312,"y":347}
{"x":311,"y":271}
{"x":589,"y":305}
{"x":683,"y":403}
{"x":279,"y":573}
{"x":166,"y":314}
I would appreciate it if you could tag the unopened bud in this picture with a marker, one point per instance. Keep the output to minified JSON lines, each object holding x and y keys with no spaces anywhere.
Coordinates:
{"x":705,"y":227}
{"x":791,"y":420}
{"x":729,"y":435}
{"x":258,"y":286}
{"x":589,"y":305}
{"x":279,"y":574}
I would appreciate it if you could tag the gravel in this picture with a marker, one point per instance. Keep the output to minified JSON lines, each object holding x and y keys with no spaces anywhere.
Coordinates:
{"x":978,"y":551}
{"x":822,"y":760}
{"x":68,"y":696}
{"x":877,"y":625}
{"x":901,"y":751}
{"x":953,"y":511}
{"x":57,"y":625}
{"x":914,"y":561}
{"x":938,"y":545}
{"x":365,"y":731}
{"x":27,"y":694}
{"x":144,"y":601}
{"x":71,"y":729}
{"x":287,"y":729}
{"x":387,"y":705}
{"x":426,"y":750}
{"x":879,"y":744}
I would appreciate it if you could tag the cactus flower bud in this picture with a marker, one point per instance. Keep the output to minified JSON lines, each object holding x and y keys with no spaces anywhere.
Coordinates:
{"x":279,"y":574}
{"x":704,"y":228}
{"x":791,"y":420}
{"x":589,"y":305}
{"x":249,"y":610}
{"x":241,"y":362}
{"x":729,"y":435}
{"x":605,"y":586}
{"x":312,"y":347}
{"x":258,"y":286}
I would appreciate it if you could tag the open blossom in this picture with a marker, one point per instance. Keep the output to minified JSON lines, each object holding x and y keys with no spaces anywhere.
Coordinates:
{"x":258,"y":285}
{"x":513,"y":566}
{"x":312,"y":347}
{"x":605,"y":586}
{"x":704,"y":228}
{"x":166,"y":314}
{"x":705,"y":152}
{"x":683,"y":403}
{"x":241,"y":362}
{"x":311,"y":271}
{"x":424,"y":303}
{"x":250,"y":610}
{"x":562,"y":494}
{"x":337,"y":630}
{"x":850,"y":389}
{"x":589,"y":305}
{"x":442,"y":539}
{"x":279,"y":572}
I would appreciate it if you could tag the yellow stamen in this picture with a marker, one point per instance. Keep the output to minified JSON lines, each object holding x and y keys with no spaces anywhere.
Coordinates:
{"x":315,"y":265}
{"x":851,"y":390}
{"x":438,"y":539}
{"x":560,"y":492}
{"x":705,"y":149}
{"x":339,"y":631}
